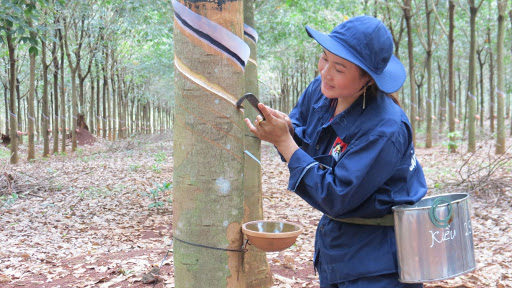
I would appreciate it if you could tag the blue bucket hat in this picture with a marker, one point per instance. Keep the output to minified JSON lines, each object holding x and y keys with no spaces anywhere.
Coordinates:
{"x":366,"y":42}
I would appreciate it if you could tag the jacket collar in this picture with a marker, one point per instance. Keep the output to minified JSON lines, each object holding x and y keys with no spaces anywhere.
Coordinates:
{"x":344,"y":122}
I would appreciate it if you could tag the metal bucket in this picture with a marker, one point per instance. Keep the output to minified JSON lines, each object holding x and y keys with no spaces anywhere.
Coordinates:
{"x":434,"y":238}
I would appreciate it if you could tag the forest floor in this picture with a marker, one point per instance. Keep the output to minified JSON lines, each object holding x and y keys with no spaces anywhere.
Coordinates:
{"x":85,"y":219}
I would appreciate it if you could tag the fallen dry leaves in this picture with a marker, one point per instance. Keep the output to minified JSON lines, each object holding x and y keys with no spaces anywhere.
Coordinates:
{"x":83,"y":218}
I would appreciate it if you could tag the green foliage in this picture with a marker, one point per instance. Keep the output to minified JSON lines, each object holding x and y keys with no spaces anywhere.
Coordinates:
{"x":135,"y":167}
{"x":17,"y":20}
{"x":8,"y":200}
{"x":156,"y":197}
{"x":457,"y":140}
{"x":160,"y":158}
{"x":156,"y":168}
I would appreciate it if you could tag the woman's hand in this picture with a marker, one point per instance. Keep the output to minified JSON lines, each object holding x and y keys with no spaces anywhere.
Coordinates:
{"x":276,"y":129}
{"x":283,"y":116}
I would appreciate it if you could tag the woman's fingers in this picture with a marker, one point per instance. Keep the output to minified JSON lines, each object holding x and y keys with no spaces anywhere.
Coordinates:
{"x":267,"y":113}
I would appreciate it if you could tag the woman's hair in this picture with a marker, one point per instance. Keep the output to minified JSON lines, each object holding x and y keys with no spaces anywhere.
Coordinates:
{"x":374,"y":89}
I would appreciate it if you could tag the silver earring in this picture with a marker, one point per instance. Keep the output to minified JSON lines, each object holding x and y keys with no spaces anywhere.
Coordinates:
{"x":364,"y":98}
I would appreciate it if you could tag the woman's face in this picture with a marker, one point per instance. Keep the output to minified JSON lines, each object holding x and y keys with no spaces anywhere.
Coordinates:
{"x":340,"y":78}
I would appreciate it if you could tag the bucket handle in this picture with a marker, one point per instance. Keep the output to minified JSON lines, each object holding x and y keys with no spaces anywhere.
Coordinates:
{"x":441,"y":223}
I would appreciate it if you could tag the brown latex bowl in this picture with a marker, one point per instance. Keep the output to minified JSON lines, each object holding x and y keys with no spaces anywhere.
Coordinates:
{"x":271,"y":236}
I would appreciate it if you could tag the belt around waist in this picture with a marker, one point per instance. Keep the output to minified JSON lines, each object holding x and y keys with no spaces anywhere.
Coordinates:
{"x":386,"y":220}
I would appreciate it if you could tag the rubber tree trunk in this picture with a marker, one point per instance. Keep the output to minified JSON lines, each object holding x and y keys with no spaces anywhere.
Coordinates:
{"x":208,"y":136}
{"x":452,"y":147}
{"x":410,"y":48}
{"x":257,"y":270}
{"x":500,"y":140}
{"x":114,"y":102}
{"x":99,"y":119}
{"x":73,"y":68}
{"x":92,"y":119}
{"x":442,"y":98}
{"x":56,"y":113}
{"x":62,"y":97}
{"x":45,"y":123}
{"x":428,"y":60}
{"x":13,"y":123}
{"x":492,"y":100}
{"x":471,"y":97}
{"x":105,"y":96}
{"x":31,"y":153}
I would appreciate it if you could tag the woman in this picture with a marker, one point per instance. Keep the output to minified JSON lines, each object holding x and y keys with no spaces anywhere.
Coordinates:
{"x":349,"y":150}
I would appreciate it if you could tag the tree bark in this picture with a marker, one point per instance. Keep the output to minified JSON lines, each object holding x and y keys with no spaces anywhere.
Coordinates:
{"x":442,"y":98}
{"x":257,"y":270}
{"x":113,"y":70}
{"x":13,"y":123}
{"x":471,"y":98}
{"x":98,"y":101}
{"x":56,"y":113}
{"x":62,"y":96}
{"x":410,"y":48}
{"x":208,"y":166}
{"x":92,"y":119}
{"x":45,"y":123}
{"x":105,"y":95}
{"x":500,"y":140}
{"x":119,"y":107}
{"x":481,"y":65}
{"x":452,"y":146}
{"x":31,"y":153}
{"x":492,"y":91}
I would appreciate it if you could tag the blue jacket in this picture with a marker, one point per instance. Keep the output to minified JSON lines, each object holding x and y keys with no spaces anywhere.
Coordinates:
{"x":357,"y":164}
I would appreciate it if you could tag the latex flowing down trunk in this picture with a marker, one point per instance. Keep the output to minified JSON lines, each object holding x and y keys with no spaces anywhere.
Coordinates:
{"x":210,"y":58}
{"x":257,"y":270}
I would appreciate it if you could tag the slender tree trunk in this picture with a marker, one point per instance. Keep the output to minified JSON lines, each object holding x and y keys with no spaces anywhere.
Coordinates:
{"x":119,"y":108}
{"x":137,"y":111}
{"x":410,"y":48}
{"x":13,"y":123}
{"x":6,"y":100}
{"x":98,"y":101}
{"x":19,"y":115}
{"x":452,"y":147}
{"x":109,"y":114}
{"x":208,"y":167}
{"x":92,"y":119}
{"x":45,"y":108}
{"x":501,"y":141}
{"x":481,"y":63}
{"x":114,"y":102}
{"x":74,"y":111}
{"x":471,"y":98}
{"x":31,"y":153}
{"x":442,"y":99}
{"x":492,"y":91}
{"x":62,"y":98}
{"x":257,"y":270}
{"x":428,"y":139}
{"x":55,"y":115}
{"x":105,"y":96}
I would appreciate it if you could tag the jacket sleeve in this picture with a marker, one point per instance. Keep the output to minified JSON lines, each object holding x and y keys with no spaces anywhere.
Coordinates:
{"x":341,"y":191}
